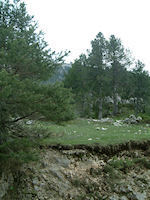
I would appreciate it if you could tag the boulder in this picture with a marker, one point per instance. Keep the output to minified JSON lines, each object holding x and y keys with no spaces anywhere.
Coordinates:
{"x":132,"y":119}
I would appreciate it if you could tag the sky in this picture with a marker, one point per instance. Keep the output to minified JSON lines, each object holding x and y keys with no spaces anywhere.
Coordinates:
{"x":73,"y":24}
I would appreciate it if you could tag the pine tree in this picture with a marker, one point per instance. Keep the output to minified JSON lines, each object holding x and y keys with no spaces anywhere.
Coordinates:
{"x":78,"y":80}
{"x":119,"y":60}
{"x":141,"y":87}
{"x":25,"y":61}
{"x":97,"y":62}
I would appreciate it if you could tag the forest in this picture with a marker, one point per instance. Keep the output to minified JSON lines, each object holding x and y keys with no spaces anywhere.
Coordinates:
{"x":108,"y":81}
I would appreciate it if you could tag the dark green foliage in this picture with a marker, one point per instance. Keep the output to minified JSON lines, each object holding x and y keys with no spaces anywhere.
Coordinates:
{"x":145,"y":117}
{"x":142,"y":162}
{"x":103,"y":84}
{"x":78,"y":80}
{"x":21,"y":99}
{"x":23,"y":51}
{"x":18,"y":100}
{"x":14,"y":153}
{"x":17,"y":150}
{"x":97,"y":71}
{"x":116,"y":166}
{"x":123,"y":165}
{"x":57,"y":104}
{"x":25,"y":62}
{"x":24,"y":58}
{"x":119,"y":61}
{"x":141,"y":88}
{"x":108,"y":169}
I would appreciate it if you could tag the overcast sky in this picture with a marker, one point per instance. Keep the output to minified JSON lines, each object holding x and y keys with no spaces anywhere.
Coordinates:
{"x":72,"y":24}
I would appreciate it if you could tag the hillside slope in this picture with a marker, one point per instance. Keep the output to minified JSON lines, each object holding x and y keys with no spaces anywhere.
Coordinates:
{"x":115,"y":172}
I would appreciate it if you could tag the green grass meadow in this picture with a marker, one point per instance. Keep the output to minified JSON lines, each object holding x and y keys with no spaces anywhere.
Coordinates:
{"x":84,"y":131}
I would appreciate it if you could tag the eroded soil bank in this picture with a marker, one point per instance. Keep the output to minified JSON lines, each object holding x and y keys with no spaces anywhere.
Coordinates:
{"x":115,"y":172}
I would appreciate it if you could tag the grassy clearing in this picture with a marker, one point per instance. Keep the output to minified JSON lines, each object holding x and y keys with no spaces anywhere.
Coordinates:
{"x":83,"y":131}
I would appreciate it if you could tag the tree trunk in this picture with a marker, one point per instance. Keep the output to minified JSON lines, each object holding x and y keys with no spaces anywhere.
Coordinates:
{"x":100,"y":113}
{"x":136,"y":107}
{"x":115,"y":108}
{"x":115,"y":81}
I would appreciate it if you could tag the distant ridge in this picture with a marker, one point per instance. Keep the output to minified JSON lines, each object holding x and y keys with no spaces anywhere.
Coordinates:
{"x":59,"y":74}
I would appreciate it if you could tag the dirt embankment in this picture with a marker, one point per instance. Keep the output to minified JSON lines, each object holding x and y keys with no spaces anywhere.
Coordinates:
{"x":115,"y":172}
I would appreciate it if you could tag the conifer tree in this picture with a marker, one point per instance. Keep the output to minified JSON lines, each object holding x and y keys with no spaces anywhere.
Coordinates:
{"x":25,"y":61}
{"x":118,"y":60}
{"x":97,"y":62}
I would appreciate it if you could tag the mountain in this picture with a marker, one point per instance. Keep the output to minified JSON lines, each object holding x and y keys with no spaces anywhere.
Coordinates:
{"x":59,"y":74}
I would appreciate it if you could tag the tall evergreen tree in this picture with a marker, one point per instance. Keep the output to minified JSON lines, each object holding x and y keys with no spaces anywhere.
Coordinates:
{"x":97,"y":62}
{"x":23,"y":50}
{"x":118,"y":60}
{"x":77,"y":79}
{"x":25,"y":61}
{"x":141,"y":87}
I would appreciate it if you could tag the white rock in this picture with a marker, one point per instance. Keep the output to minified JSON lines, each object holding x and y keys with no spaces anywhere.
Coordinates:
{"x":109,"y":120}
{"x":139,"y":118}
{"x":96,"y":120}
{"x":117,"y":124}
{"x":29,"y":122}
{"x":74,"y":131}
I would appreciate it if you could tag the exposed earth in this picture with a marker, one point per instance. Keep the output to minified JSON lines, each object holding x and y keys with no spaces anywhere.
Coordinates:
{"x":119,"y":172}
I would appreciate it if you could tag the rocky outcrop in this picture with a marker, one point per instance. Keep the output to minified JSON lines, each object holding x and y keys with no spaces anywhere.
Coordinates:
{"x":120,"y":172}
{"x":6,"y":183}
{"x":132,"y":119}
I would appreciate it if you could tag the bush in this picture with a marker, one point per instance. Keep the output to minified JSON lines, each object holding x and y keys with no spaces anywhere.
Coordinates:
{"x":58,"y":105}
{"x":16,"y":152}
{"x":145,"y":117}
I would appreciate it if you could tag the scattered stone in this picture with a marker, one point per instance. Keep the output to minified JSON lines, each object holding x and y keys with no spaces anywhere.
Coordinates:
{"x":118,"y":123}
{"x":29,"y":122}
{"x":74,"y":131}
{"x":123,"y":198}
{"x":114,"y":197}
{"x":64,"y":162}
{"x":132,"y":119}
{"x":103,"y":120}
{"x":139,"y":118}
{"x":56,"y":173}
{"x":139,"y":196}
{"x":106,"y":120}
{"x":96,"y":120}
